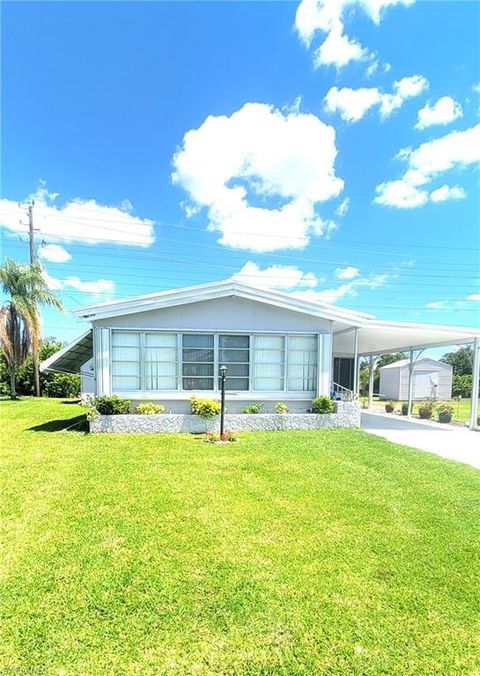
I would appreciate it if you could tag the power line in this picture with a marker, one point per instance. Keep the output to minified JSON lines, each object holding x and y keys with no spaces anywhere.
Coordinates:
{"x":98,"y":219}
{"x":297,"y":260}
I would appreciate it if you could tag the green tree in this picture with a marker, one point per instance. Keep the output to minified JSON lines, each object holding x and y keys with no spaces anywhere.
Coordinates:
{"x":51,"y":384}
{"x":20,"y":319}
{"x":460,"y":360}
{"x":383,"y":361}
{"x":390,"y":358}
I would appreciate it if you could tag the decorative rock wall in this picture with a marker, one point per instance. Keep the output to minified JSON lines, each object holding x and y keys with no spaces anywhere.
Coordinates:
{"x":347,"y":415}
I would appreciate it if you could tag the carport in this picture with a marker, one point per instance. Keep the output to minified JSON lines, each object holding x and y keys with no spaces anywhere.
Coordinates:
{"x":375,"y":337}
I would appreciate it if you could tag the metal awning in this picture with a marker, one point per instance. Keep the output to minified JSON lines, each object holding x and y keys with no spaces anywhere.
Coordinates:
{"x":71,"y":357}
{"x":376,"y":337}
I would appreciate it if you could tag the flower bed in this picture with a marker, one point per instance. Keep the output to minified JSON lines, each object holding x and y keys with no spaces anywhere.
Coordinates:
{"x":347,"y":414}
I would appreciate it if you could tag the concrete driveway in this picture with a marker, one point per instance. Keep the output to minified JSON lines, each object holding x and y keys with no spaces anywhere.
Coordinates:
{"x":455,"y":443}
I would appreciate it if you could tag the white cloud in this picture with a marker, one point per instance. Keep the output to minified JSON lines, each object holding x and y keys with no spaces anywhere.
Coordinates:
{"x":338,"y":50}
{"x":276,"y":276}
{"x":474,"y":297}
{"x":437,"y":305}
{"x":400,"y":194}
{"x":343,"y":207}
{"x":447,"y":192}
{"x":52,"y":282}
{"x":408,"y":87}
{"x":54,"y":253}
{"x":353,"y":104}
{"x":260,"y":174}
{"x":95,"y":287}
{"x":444,"y":111}
{"x":327,"y":17}
{"x":79,"y":221}
{"x":347,"y":273}
{"x":348,"y":289}
{"x":455,"y":150}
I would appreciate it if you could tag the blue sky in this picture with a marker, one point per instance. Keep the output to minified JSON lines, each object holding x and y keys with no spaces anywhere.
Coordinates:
{"x":170,"y":144}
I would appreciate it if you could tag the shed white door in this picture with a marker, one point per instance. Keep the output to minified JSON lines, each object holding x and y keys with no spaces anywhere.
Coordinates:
{"x":425,"y":384}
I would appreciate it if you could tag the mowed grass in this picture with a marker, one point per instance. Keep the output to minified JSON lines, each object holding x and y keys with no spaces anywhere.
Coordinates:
{"x":330,"y":552}
{"x":461,"y":409}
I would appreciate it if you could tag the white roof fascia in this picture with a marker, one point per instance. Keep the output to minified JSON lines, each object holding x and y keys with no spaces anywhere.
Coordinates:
{"x":213,"y":291}
{"x":470,"y":333}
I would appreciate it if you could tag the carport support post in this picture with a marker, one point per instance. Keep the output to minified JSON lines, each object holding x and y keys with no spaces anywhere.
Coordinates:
{"x":371,"y":371}
{"x":411,"y":365}
{"x":475,"y":377}
{"x":355,"y":364}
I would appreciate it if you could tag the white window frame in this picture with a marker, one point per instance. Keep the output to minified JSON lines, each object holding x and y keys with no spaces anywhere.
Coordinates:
{"x":252,"y":393}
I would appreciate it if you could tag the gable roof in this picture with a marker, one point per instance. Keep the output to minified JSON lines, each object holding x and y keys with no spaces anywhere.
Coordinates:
{"x":214,"y":290}
{"x":401,"y":363}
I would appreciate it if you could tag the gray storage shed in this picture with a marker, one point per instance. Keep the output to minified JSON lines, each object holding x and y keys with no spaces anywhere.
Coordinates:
{"x":432,"y":379}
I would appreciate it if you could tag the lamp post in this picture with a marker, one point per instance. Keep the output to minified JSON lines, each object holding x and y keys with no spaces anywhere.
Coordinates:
{"x":223,"y":373}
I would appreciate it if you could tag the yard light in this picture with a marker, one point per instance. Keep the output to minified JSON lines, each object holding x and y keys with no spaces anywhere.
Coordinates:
{"x":223,"y":373}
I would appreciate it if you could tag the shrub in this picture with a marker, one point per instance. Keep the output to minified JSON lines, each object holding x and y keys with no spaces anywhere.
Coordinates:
{"x":364,"y":402}
{"x":425,"y":410}
{"x":281,"y":407}
{"x":323,"y":404}
{"x":149,"y":408}
{"x":205,"y":408}
{"x":62,"y":385}
{"x":389,"y":407}
{"x":91,"y":412}
{"x":254,"y":407}
{"x":405,"y":408}
{"x":112,"y":405}
{"x":51,"y":384}
{"x":462,"y":385}
{"x":444,"y":410}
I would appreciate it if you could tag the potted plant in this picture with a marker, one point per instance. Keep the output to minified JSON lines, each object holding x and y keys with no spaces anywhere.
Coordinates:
{"x":405,"y":408}
{"x":425,"y":410}
{"x":389,"y":407}
{"x":444,"y":413}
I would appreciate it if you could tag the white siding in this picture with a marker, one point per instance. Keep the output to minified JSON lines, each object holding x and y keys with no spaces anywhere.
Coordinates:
{"x":389,"y":384}
{"x":87,"y":379}
{"x":219,"y":316}
{"x":222,"y":314}
{"x":394,"y":381}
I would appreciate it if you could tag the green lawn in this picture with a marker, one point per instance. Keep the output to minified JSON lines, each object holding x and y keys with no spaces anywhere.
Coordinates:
{"x":330,"y":552}
{"x":461,"y":409}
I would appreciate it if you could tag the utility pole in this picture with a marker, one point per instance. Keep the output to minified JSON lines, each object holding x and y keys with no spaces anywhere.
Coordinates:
{"x":35,"y":356}
{"x":31,"y":232}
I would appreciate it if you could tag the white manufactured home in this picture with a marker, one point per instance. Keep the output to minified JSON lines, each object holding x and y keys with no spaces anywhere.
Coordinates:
{"x":170,"y":345}
{"x":432,"y":379}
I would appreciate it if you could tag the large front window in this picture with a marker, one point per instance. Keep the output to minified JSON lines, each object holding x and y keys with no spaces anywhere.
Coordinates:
{"x":234,"y":353}
{"x":198,"y":364}
{"x":161,"y":361}
{"x":126,"y":360}
{"x":269,"y":363}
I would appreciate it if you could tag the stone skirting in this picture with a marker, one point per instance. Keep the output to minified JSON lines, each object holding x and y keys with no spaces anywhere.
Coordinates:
{"x":347,"y":415}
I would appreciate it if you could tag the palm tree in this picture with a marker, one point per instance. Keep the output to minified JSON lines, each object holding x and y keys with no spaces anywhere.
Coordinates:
{"x":20,"y":319}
